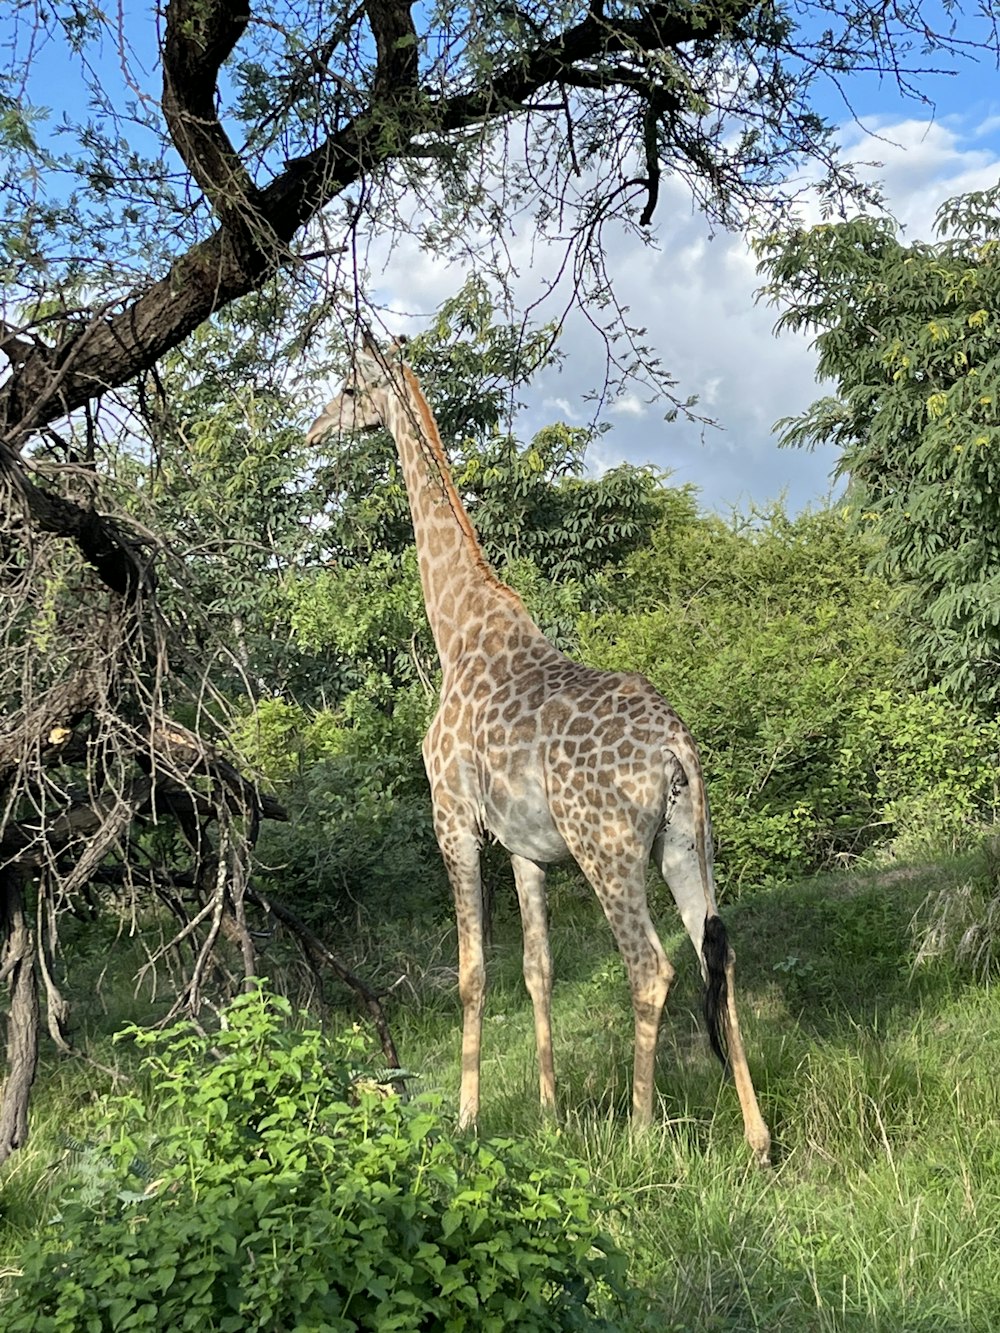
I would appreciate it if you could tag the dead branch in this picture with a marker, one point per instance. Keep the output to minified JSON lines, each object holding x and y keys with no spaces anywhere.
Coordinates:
{"x":94,"y":771}
{"x":317,"y":954}
{"x":17,"y":968}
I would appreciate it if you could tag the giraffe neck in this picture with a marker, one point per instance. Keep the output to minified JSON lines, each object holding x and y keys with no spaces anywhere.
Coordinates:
{"x":461,"y":591}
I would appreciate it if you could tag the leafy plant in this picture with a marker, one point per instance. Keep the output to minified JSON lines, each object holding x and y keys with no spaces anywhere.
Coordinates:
{"x":781,"y":652}
{"x":908,"y":335}
{"x":295,"y":1194}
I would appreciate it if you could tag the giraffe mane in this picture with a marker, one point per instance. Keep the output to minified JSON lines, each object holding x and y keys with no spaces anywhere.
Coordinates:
{"x":431,"y":434}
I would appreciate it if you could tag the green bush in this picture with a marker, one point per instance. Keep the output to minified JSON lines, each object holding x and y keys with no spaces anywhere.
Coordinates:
{"x":291,"y":1194}
{"x":933,"y":765}
{"x":781,"y":652}
{"x":359,"y":824}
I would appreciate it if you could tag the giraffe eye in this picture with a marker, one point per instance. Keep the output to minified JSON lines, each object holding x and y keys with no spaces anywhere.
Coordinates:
{"x":348,"y":391}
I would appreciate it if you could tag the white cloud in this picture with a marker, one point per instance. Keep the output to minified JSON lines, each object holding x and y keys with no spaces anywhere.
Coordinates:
{"x":922,"y":163}
{"x":628,"y":405}
{"x":694,"y":294}
{"x":567,"y":412}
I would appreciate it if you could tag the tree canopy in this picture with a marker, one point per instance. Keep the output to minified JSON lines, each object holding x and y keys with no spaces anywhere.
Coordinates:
{"x":908,"y":335}
{"x":230,"y":142}
{"x":190,"y":198}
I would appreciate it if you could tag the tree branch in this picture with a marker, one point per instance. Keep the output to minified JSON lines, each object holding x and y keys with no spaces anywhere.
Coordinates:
{"x":199,"y":36}
{"x":318,"y":953}
{"x":17,"y":968}
{"x":396,"y":48}
{"x":49,"y":722}
{"x":103,"y":543}
{"x":114,"y":348}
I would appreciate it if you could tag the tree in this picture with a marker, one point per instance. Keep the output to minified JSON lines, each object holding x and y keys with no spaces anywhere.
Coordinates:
{"x":908,"y":334}
{"x":277,"y":574}
{"x":128,"y":230}
{"x":272,"y":147}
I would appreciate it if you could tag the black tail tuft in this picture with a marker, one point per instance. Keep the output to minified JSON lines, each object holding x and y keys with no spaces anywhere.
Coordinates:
{"x":715,"y":949}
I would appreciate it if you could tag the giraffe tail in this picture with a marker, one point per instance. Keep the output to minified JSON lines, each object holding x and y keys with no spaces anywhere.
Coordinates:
{"x":715,"y":950}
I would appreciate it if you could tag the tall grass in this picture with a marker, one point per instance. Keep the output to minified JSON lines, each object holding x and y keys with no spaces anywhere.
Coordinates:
{"x":879,"y":1080}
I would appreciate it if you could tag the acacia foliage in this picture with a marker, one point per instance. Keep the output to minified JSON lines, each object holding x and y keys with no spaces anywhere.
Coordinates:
{"x":908,"y":333}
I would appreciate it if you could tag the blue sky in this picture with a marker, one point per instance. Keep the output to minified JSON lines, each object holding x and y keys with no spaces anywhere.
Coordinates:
{"x":697,"y":297}
{"x":694,"y":292}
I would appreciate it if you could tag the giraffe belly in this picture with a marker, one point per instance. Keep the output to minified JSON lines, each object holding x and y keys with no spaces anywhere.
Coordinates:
{"x":522,"y":824}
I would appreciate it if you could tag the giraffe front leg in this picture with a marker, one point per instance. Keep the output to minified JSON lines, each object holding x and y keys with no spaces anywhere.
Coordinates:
{"x":529,"y":878}
{"x":461,"y":858}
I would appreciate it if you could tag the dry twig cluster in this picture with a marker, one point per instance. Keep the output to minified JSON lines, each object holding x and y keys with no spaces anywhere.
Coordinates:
{"x":115,"y":792}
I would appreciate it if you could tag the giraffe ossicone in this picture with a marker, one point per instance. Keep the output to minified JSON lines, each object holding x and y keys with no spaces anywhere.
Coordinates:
{"x":554,"y":760}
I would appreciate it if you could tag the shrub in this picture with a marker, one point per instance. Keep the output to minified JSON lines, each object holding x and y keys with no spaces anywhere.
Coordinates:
{"x":292,"y":1194}
{"x":934,"y":765}
{"x":781,"y":653}
{"x":359,"y":817}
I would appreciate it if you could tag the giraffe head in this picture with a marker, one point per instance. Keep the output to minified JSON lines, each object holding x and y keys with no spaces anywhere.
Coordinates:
{"x":361,"y":403}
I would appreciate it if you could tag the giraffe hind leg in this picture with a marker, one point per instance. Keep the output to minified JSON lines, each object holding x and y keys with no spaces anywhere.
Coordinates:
{"x":720,"y":1011}
{"x":529,"y":878}
{"x":675,"y":853}
{"x":620,"y":885}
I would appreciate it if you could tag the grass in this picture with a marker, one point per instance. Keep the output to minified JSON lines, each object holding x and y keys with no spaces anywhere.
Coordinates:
{"x":879,"y":1081}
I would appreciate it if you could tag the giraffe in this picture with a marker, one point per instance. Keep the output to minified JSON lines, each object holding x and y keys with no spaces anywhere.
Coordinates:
{"x":553,"y":759}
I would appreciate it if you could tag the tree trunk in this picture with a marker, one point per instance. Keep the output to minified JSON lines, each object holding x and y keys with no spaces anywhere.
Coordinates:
{"x":17,"y":967}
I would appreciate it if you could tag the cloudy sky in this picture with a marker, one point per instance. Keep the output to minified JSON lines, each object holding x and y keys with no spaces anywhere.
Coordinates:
{"x":694,"y":293}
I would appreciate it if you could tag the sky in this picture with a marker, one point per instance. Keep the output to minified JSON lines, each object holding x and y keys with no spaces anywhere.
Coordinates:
{"x":695,"y":294}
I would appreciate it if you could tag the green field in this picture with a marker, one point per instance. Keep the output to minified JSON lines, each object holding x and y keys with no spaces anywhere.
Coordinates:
{"x":877,"y":1074}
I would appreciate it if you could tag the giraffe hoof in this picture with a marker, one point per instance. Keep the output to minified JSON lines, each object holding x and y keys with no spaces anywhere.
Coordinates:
{"x":762,"y":1152}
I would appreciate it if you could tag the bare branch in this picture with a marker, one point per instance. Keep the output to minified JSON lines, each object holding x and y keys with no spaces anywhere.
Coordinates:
{"x":318,"y":952}
{"x":17,"y":968}
{"x":48,"y":723}
{"x":116,"y":557}
{"x":13,"y":346}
